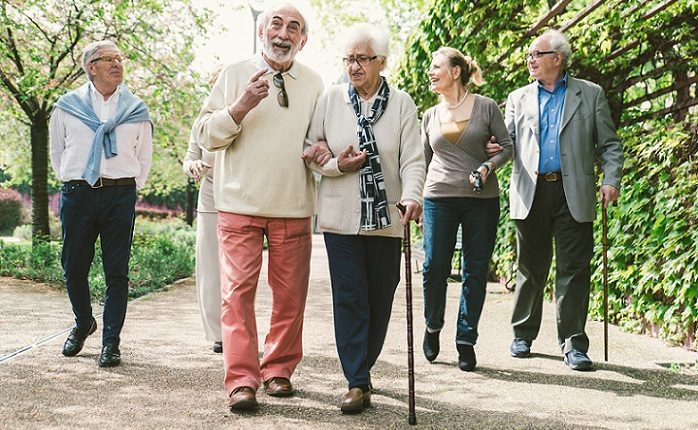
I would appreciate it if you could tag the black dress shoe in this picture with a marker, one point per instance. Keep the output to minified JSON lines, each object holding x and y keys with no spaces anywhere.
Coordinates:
{"x":466,"y":357}
{"x":430,"y":345}
{"x":76,"y":339}
{"x":521,"y":348}
{"x":218,"y":347}
{"x":110,"y":356}
{"x":578,"y":360}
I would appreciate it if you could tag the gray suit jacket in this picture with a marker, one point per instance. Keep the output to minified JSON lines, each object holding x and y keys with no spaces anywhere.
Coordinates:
{"x":586,"y":131}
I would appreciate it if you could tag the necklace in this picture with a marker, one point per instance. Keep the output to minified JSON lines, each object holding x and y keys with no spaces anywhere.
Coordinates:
{"x":459,"y":103}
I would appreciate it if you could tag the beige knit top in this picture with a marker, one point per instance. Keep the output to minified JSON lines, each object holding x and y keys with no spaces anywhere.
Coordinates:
{"x":449,"y":164}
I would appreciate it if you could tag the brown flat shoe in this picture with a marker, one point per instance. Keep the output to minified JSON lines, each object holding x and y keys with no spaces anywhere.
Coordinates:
{"x":355,"y":401}
{"x":279,"y":387}
{"x":242,"y":399}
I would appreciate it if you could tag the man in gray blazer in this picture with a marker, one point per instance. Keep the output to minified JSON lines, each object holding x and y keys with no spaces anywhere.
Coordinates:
{"x":559,"y":125}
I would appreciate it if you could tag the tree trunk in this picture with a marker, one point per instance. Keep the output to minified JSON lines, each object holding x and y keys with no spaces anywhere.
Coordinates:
{"x":39,"y":144}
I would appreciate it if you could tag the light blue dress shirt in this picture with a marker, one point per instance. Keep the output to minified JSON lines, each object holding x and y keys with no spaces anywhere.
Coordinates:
{"x":550,"y":105}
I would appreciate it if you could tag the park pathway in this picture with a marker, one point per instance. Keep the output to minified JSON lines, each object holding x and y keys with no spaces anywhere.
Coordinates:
{"x":170,"y":378}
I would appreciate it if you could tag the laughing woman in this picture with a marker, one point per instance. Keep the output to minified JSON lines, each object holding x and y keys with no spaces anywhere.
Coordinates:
{"x":461,"y":190}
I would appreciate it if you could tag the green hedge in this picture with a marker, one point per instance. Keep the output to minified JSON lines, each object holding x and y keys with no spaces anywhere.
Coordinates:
{"x":10,"y":209}
{"x":161,"y":254}
{"x":652,"y":234}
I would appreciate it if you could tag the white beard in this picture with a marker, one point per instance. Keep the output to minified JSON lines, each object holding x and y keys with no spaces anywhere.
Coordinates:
{"x":276,"y":54}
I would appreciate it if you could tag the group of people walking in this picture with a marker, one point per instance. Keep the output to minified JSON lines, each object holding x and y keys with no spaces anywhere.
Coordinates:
{"x":268,"y":126}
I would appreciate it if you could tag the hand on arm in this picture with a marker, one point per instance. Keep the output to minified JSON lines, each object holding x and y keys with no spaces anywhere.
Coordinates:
{"x":318,"y":153}
{"x":493,"y":148}
{"x":256,"y":89}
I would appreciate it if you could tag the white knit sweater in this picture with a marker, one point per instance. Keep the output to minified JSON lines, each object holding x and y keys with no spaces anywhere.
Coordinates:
{"x":400,"y":149}
{"x":258,"y":169}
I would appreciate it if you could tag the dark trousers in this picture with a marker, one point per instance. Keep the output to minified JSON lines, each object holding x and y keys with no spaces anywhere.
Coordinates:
{"x":109,"y":213}
{"x":479,"y":219}
{"x":574,"y":244}
{"x":364,"y":271}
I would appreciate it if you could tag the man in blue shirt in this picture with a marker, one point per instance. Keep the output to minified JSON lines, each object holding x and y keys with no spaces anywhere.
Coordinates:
{"x":559,"y":125}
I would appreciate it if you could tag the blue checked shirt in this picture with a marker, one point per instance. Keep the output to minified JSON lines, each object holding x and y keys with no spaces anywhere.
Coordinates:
{"x":550,"y":105}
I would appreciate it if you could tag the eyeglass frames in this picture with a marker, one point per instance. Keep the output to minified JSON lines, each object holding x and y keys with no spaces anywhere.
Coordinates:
{"x":361,"y":59}
{"x":109,"y":58}
{"x":282,"y":96}
{"x":538,"y":54}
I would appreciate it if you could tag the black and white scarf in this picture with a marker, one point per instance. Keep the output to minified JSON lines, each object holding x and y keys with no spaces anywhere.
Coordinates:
{"x":375,"y":214}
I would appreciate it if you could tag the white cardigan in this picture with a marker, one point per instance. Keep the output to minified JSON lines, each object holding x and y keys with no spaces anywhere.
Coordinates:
{"x":401,"y":154}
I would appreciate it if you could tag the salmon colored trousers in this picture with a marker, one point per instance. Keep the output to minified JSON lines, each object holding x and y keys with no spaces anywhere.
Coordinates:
{"x":240,"y":239}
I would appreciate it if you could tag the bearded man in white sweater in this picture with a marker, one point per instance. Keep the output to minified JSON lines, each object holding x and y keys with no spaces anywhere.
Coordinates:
{"x":256,"y":119}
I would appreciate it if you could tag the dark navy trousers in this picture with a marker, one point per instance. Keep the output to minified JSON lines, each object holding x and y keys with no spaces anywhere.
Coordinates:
{"x":364,"y":271}
{"x":87,"y":213}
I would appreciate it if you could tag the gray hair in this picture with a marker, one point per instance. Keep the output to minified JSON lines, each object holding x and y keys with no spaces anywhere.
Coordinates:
{"x":90,"y":52}
{"x":264,"y":17}
{"x":364,"y":32}
{"x":558,"y":42}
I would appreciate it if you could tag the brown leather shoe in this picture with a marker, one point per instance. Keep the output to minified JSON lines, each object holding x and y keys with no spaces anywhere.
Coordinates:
{"x":355,"y":401}
{"x":242,"y":399}
{"x":279,"y":387}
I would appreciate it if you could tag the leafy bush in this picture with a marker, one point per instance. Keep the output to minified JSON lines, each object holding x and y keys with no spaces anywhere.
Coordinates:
{"x":10,"y":209}
{"x":161,"y":253}
{"x":653,"y":231}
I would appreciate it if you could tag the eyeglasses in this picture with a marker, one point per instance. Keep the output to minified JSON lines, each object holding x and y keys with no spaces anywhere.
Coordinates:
{"x":282,"y":97}
{"x":538,"y":54}
{"x":109,"y":58}
{"x":361,"y":59}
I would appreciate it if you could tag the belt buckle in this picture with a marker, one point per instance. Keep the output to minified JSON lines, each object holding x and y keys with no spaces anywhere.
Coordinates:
{"x":550,"y":177}
{"x":99,"y":181}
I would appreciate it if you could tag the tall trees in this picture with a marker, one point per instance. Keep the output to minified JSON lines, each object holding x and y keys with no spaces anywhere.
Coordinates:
{"x":40,"y":48}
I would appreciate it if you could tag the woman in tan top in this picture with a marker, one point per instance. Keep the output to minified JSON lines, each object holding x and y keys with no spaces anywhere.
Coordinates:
{"x":461,"y":189}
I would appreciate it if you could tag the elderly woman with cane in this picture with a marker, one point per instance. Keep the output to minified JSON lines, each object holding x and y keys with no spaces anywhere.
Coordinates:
{"x":461,"y":190}
{"x":372,"y":130}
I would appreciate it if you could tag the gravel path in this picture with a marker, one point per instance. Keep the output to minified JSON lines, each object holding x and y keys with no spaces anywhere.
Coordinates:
{"x":170,"y":378}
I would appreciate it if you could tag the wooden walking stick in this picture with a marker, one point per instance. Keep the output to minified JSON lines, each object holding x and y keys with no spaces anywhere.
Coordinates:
{"x":412,"y":417}
{"x":604,"y":241}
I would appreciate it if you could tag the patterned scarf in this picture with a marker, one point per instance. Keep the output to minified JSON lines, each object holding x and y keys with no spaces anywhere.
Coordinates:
{"x":374,"y":202}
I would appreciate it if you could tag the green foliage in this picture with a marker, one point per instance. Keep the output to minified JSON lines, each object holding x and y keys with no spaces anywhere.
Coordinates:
{"x":161,"y":253}
{"x":653,"y":275}
{"x":637,"y":51}
{"x":41,"y":43}
{"x":10,"y":209}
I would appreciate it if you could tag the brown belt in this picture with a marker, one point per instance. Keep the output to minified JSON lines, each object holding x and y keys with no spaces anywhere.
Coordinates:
{"x":550,"y":176}
{"x":105,"y":182}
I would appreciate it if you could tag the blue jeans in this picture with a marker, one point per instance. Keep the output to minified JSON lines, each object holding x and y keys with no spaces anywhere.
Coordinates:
{"x":479,"y":219}
{"x":109,"y":213}
{"x":365,"y":271}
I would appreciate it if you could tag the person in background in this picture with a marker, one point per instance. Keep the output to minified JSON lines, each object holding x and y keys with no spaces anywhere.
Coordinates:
{"x":560,"y":125}
{"x":461,"y":190}
{"x":198,"y":164}
{"x":373,"y":130}
{"x":101,"y":149}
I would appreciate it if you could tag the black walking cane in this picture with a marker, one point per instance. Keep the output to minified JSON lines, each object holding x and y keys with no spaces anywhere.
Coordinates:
{"x":604,"y":241}
{"x":412,"y":417}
